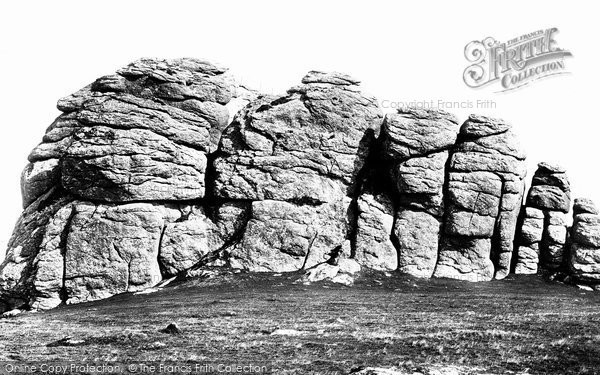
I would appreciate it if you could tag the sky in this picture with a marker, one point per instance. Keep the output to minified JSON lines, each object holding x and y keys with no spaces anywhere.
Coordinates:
{"x":401,"y":51}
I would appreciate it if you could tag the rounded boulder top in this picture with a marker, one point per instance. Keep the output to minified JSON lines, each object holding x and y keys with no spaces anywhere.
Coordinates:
{"x":481,"y":126}
{"x":428,"y":113}
{"x":171,"y":69}
{"x":584,"y":206}
{"x":551,"y":168}
{"x":333,"y":78}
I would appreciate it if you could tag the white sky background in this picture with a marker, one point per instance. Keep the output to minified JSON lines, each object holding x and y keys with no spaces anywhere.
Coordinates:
{"x":402,"y":51}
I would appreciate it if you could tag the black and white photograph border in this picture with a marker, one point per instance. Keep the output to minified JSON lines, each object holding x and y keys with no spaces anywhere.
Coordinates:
{"x":316,"y":187}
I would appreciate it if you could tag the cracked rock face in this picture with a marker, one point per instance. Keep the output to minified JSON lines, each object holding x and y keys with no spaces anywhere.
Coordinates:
{"x":415,"y":144}
{"x":584,"y":206}
{"x":307,"y":146}
{"x":141,"y":135}
{"x":135,"y":182}
{"x":531,"y":233}
{"x":123,"y":255}
{"x":374,"y":247}
{"x":548,"y":201}
{"x":584,"y":254}
{"x":282,"y":236}
{"x":168,"y":166}
{"x":483,"y":199}
{"x":197,"y":234}
{"x":297,"y":158}
{"x":550,"y":189}
{"x":32,"y":272}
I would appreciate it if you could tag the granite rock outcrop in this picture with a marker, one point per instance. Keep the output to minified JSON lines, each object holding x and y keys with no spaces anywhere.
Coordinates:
{"x":168,"y":167}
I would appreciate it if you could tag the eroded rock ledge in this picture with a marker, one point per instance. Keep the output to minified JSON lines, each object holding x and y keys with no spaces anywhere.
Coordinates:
{"x":153,"y":171}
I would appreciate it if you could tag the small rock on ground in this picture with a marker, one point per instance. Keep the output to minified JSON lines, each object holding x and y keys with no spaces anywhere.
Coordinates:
{"x":171,"y":329}
{"x":287,"y":332}
{"x":66,"y":341}
{"x":11,"y":313}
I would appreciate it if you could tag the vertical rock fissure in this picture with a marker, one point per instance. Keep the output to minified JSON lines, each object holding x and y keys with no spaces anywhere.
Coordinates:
{"x":161,"y":237}
{"x":517,"y":240}
{"x":124,"y":259}
{"x":353,"y":213}
{"x":310,"y":245}
{"x":496,"y":241}
{"x":362,"y":181}
{"x":393,"y":235}
{"x":63,"y":294}
{"x":544,"y":255}
{"x":445,"y":200}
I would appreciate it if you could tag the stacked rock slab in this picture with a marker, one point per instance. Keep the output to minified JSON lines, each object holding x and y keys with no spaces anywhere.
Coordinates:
{"x":482,"y":201}
{"x":113,"y":194}
{"x":296,"y":160}
{"x":373,"y":246}
{"x":584,"y":252}
{"x":543,"y":233}
{"x":530,"y":236}
{"x":414,"y":147}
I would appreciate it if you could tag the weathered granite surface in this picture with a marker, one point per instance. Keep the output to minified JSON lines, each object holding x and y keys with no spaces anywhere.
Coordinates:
{"x":584,"y":252}
{"x":169,"y":166}
{"x":483,"y":198}
{"x":544,"y":231}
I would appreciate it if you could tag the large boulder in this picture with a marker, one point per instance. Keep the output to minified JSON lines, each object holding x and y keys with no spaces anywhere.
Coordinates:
{"x":373,"y":244}
{"x":306,"y":146}
{"x":548,"y":201}
{"x":412,"y":132}
{"x":415,"y":144}
{"x":483,"y":198}
{"x":531,"y":231}
{"x":554,"y":238}
{"x":417,"y":234}
{"x":140,"y":134}
{"x":133,"y":183}
{"x":584,"y":206}
{"x":584,"y":252}
{"x":32,"y":271}
{"x":465,"y":258}
{"x":283,"y":236}
{"x":112,"y":249}
{"x":199,"y":233}
{"x":298,"y":158}
{"x":550,"y":189}
{"x":143,"y":134}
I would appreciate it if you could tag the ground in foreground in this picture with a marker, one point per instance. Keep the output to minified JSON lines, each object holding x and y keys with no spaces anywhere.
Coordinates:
{"x":519,"y":325}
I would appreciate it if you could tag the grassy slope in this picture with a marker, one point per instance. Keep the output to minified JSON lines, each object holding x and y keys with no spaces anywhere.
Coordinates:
{"x":511,"y":325}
